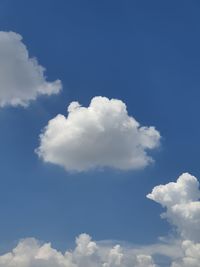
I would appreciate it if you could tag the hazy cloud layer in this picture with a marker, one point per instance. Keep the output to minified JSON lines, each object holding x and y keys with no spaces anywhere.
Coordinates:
{"x":101,"y":135}
{"x":21,"y":77}
{"x":191,"y":255}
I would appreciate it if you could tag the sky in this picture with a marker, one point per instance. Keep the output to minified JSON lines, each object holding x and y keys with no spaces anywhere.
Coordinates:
{"x":99,"y":133}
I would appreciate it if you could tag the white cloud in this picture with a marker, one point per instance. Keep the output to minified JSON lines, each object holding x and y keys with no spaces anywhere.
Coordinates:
{"x":31,"y":253}
{"x":181,"y":200}
{"x":101,"y":135}
{"x":21,"y":77}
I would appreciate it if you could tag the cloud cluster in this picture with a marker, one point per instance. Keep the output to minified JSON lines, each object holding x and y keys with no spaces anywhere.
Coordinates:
{"x":21,"y":77}
{"x":31,"y":253}
{"x":101,"y":135}
{"x":98,"y":136}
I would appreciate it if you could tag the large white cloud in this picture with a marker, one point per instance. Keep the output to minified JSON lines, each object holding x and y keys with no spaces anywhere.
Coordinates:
{"x":101,"y":135}
{"x":31,"y":253}
{"x":21,"y":77}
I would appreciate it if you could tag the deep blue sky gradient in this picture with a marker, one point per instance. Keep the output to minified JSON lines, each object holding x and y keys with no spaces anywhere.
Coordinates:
{"x":145,"y":53}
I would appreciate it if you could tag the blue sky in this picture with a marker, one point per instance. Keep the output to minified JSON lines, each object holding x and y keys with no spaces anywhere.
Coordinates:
{"x":145,"y":53}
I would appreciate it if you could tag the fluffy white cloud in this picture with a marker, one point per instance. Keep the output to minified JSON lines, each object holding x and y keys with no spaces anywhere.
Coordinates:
{"x":31,"y":253}
{"x":101,"y":135}
{"x":181,"y":200}
{"x":21,"y":77}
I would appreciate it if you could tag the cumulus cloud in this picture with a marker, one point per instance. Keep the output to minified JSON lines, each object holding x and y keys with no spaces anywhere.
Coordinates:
{"x":21,"y":77}
{"x":31,"y":253}
{"x":101,"y":135}
{"x":181,"y":200}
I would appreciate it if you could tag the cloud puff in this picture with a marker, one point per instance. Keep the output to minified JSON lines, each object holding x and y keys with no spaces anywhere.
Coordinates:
{"x":21,"y":77}
{"x":101,"y":135}
{"x":31,"y":253}
{"x":181,"y":200}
